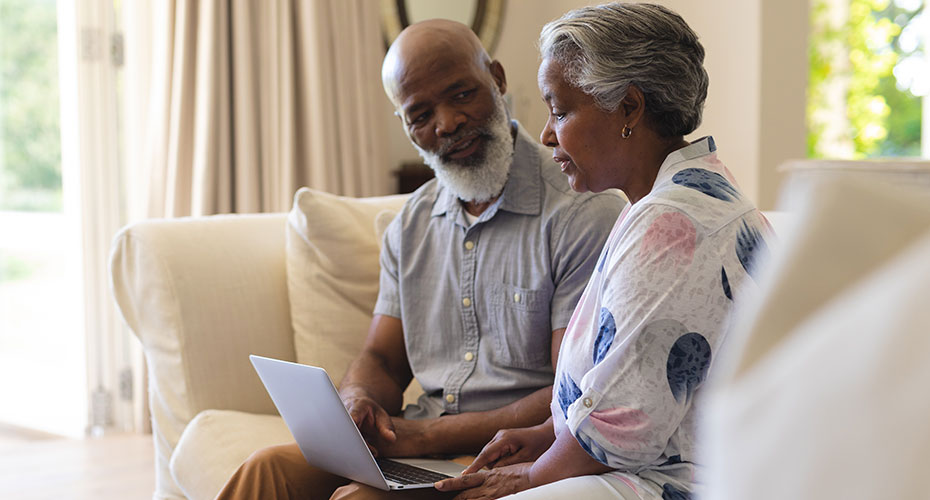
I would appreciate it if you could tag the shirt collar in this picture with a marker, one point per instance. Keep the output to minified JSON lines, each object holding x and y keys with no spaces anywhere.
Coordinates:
{"x":522,"y":192}
{"x":703,"y":146}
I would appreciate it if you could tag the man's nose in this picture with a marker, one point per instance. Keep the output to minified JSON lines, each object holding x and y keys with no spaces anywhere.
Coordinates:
{"x":448,"y":121}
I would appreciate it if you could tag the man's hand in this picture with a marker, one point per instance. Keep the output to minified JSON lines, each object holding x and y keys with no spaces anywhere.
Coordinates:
{"x":514,"y":446}
{"x":373,"y":422}
{"x":411,"y":439}
{"x":495,"y":483}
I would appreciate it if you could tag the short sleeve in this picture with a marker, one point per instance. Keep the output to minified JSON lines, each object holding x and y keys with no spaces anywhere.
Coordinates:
{"x":576,"y":250}
{"x":388,"y":303}
{"x":651,"y":343}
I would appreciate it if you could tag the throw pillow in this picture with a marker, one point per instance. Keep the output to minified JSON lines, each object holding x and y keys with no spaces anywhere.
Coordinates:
{"x":332,"y":252}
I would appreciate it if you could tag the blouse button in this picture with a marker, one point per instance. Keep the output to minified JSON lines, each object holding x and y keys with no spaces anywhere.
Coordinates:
{"x":587,"y":402}
{"x":469,"y":356}
{"x":469,"y":245}
{"x":466,"y":302}
{"x":450,"y":398}
{"x":516,"y":297}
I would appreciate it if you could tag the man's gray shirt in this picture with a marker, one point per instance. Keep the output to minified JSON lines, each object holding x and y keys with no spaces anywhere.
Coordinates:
{"x":478,"y":304}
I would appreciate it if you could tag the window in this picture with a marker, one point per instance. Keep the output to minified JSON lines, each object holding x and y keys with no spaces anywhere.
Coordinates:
{"x":869,"y":79}
{"x":41,"y":326}
{"x":63,"y":349}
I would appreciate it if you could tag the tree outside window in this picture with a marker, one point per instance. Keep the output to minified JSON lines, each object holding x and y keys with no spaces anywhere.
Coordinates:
{"x":868,"y":75}
{"x":30,"y":143}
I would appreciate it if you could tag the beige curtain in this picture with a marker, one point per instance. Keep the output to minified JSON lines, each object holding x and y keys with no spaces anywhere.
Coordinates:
{"x":249,"y":100}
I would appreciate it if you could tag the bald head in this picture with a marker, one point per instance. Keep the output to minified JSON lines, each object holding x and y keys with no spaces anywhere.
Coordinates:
{"x":430,"y":47}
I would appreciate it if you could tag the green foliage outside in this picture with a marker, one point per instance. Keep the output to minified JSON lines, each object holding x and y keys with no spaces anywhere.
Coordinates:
{"x":14,"y":268}
{"x":30,"y":144}
{"x":856,"y":52}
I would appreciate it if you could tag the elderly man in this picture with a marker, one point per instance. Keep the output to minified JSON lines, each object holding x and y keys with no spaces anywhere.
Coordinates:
{"x":480,"y":273}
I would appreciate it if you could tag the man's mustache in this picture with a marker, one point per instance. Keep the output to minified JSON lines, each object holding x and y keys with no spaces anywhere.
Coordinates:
{"x":446,"y":143}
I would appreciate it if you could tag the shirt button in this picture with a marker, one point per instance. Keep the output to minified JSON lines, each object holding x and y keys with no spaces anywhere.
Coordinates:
{"x":516,"y":297}
{"x":450,"y":398}
{"x":587,"y":402}
{"x":469,"y":356}
{"x":469,"y":245}
{"x":466,"y":302}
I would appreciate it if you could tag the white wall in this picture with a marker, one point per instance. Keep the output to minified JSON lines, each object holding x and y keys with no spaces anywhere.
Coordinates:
{"x":756,"y":60}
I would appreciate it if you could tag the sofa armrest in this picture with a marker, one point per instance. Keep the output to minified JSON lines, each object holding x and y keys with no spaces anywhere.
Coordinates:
{"x":201,"y":294}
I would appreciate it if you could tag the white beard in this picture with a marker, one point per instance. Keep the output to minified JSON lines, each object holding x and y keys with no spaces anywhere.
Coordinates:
{"x":481,"y":176}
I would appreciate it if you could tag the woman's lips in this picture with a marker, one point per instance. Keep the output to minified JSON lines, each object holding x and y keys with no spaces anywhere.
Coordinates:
{"x":564,"y":163}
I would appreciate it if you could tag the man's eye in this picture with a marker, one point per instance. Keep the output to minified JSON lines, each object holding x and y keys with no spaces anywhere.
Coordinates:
{"x":420,"y":118}
{"x":463,"y":94}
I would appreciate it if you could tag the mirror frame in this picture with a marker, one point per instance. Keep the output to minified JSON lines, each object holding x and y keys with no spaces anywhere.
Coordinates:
{"x":486,"y":21}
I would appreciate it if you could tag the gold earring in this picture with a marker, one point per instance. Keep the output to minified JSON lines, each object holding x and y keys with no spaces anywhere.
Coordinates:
{"x":626,"y":132}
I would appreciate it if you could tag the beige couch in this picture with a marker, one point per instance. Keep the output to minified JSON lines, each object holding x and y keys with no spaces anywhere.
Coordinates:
{"x":203,"y":293}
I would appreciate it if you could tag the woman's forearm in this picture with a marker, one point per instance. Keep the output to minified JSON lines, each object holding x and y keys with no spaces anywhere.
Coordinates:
{"x":565,"y":458}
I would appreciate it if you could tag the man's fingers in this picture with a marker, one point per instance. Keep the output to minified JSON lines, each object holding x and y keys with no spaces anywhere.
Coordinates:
{"x":462,"y":482}
{"x":359,"y":415}
{"x":385,"y":426}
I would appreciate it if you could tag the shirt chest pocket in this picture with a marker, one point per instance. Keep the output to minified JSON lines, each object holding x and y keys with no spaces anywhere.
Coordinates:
{"x":521,"y":331}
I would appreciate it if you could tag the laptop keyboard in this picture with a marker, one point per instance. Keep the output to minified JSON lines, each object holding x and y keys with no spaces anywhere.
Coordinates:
{"x":408,"y":474}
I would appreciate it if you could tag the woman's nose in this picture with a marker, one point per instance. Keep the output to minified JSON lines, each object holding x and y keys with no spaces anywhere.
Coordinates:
{"x":547,"y":136}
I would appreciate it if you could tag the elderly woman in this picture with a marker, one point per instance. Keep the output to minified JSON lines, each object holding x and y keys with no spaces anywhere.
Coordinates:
{"x":624,"y":84}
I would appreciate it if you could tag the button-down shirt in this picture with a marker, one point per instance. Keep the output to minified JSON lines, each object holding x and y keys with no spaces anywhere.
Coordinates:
{"x":479,"y":302}
{"x":652,"y":319}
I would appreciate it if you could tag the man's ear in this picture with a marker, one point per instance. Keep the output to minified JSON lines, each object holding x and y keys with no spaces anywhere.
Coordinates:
{"x":633,"y":105}
{"x":497,"y":73}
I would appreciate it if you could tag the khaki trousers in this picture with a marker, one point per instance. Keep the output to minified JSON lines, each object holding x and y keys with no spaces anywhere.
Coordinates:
{"x":281,"y":472}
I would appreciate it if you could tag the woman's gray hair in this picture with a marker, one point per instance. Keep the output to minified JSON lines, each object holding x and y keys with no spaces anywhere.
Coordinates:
{"x":606,"y":48}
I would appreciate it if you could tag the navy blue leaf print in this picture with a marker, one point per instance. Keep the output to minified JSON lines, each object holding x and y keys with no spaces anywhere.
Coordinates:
{"x":707,"y":182}
{"x":605,"y":335}
{"x":688,"y":362}
{"x":726,"y":283}
{"x":600,"y":265}
{"x":670,"y":492}
{"x":568,"y":393}
{"x":592,"y":448}
{"x":750,"y":248}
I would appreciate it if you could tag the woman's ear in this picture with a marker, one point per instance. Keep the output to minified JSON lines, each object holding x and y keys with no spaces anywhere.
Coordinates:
{"x":633,"y":106}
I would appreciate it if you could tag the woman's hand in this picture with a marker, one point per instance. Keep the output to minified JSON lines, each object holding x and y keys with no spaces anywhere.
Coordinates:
{"x":514,"y":446}
{"x":484,"y":484}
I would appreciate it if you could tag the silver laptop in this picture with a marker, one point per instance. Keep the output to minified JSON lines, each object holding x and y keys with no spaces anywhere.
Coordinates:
{"x":328,"y":437}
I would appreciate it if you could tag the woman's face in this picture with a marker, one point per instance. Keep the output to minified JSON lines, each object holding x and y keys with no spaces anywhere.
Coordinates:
{"x":585,"y":140}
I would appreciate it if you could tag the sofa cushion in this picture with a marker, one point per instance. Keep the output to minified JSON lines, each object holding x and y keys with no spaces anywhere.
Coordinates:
{"x":823,"y":384}
{"x":215,"y":443}
{"x":332,"y":273}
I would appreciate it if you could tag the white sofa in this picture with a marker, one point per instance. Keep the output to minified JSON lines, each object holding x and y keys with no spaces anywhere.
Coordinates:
{"x":822,"y":391}
{"x":201,"y":294}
